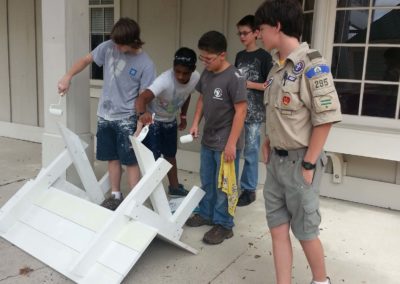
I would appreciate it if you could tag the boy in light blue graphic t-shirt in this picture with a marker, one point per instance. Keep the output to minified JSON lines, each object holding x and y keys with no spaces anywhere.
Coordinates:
{"x":127,"y":71}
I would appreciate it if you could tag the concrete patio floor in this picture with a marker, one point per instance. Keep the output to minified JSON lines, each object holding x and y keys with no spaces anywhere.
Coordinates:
{"x":362,"y":243}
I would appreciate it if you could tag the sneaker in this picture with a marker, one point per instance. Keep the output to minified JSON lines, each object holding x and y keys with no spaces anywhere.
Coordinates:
{"x":217,"y":235}
{"x":111,"y":203}
{"x":246,"y":197}
{"x":327,"y":278}
{"x":196,"y":221}
{"x":180,"y":191}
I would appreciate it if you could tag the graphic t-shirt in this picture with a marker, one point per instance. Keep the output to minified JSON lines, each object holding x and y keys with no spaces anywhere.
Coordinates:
{"x":254,"y":66}
{"x":125,"y":74}
{"x":170,"y":95}
{"x":220,"y":92}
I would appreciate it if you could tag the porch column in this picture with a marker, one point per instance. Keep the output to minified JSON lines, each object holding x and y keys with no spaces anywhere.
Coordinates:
{"x":65,"y":26}
{"x":324,"y":27}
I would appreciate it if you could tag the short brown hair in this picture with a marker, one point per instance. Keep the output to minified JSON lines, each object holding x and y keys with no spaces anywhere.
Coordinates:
{"x":212,"y":42}
{"x":286,"y":12}
{"x":126,"y":32}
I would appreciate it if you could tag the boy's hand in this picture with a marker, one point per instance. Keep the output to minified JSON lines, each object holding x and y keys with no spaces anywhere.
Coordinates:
{"x":183,"y":124}
{"x":266,"y":151}
{"x":230,"y":153}
{"x":146,"y":118}
{"x":63,"y":84}
{"x":308,"y":175}
{"x":194,"y":130}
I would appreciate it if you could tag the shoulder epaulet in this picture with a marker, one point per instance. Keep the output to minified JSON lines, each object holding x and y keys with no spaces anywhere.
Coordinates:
{"x":313,"y":54}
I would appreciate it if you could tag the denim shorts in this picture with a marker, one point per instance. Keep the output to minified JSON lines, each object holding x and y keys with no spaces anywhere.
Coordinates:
{"x":162,"y":139}
{"x":113,"y":140}
{"x":288,"y":198}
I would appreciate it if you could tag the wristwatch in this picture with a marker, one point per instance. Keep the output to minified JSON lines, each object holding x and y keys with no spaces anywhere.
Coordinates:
{"x":307,"y":165}
{"x":183,"y":116}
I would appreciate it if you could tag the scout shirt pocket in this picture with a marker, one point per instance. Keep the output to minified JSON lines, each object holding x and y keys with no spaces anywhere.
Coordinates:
{"x":323,"y":93}
{"x":288,"y":101}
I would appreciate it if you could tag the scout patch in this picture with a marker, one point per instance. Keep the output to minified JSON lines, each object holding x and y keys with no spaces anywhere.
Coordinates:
{"x":298,"y":67}
{"x":324,"y":103}
{"x":291,"y":78}
{"x":317,"y":70}
{"x":320,"y":83}
{"x":268,"y":82}
{"x":314,"y":54}
{"x":286,"y":100}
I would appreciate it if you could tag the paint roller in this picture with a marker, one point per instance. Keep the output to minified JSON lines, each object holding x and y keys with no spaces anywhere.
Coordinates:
{"x":186,"y":138}
{"x":55,"y":109}
{"x":143,"y":131}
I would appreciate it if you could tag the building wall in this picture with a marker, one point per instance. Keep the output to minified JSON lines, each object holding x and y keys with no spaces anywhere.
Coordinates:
{"x":20,"y":56}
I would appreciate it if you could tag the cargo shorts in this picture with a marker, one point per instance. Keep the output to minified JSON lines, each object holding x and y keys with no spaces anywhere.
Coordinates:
{"x":113,"y":141}
{"x":288,"y":198}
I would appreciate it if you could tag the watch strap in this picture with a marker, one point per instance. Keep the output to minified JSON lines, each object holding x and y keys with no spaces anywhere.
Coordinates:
{"x":308,"y":165}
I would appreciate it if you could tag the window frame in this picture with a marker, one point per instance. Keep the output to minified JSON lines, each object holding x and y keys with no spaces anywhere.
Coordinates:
{"x":96,"y":84}
{"x":325,"y":12}
{"x":308,"y":12}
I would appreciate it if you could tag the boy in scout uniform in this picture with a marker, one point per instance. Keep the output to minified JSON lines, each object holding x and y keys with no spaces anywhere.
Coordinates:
{"x":302,"y":104}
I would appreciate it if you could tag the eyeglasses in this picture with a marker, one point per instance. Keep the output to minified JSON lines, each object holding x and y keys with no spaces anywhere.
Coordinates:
{"x":245,"y":33}
{"x":208,"y":60}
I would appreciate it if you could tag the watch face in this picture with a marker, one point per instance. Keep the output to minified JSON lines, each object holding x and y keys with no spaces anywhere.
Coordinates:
{"x":308,"y":166}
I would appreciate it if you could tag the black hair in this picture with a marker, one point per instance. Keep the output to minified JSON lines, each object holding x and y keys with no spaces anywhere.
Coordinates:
{"x":250,"y":21}
{"x":126,"y":32}
{"x":286,"y":12}
{"x":212,"y":42}
{"x":186,"y":57}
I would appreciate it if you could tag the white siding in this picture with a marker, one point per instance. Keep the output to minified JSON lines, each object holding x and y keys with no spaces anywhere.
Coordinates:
{"x":23,"y":77}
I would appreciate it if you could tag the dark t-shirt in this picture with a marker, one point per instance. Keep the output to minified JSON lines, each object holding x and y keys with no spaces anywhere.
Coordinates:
{"x":254,"y":66}
{"x":220,"y":92}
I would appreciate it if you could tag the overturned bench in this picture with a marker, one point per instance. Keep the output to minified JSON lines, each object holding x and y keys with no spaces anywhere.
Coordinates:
{"x":63,"y":226}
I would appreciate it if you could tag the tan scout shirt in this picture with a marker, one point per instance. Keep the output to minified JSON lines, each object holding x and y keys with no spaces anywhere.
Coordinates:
{"x":299,"y":95}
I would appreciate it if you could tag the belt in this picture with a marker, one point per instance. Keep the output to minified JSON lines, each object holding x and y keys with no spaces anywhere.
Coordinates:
{"x":292,"y":155}
{"x":281,"y":152}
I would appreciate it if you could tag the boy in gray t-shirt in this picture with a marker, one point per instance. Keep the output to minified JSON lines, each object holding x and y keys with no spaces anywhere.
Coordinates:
{"x":223,"y":103}
{"x":128,"y":70}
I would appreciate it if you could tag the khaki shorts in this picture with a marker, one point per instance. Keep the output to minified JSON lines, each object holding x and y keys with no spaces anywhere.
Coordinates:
{"x":288,"y":198}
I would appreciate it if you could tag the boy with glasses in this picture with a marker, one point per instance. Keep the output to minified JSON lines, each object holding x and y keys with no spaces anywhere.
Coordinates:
{"x":254,"y":64}
{"x":302,"y":104}
{"x":169,"y":93}
{"x":222,"y":102}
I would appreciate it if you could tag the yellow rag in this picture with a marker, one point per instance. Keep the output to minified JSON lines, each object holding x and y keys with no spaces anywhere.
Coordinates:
{"x":227,"y":183}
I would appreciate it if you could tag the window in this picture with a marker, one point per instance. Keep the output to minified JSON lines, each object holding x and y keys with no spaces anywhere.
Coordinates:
{"x":308,"y":8}
{"x":366,"y":57}
{"x":101,"y":13}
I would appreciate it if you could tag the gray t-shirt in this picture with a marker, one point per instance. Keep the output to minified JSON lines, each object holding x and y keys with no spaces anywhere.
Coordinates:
{"x":170,"y":95}
{"x":125,"y":75}
{"x":220,"y":92}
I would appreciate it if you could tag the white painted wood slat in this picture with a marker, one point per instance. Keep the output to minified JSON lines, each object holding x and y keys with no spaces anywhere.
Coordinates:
{"x":52,"y":219}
